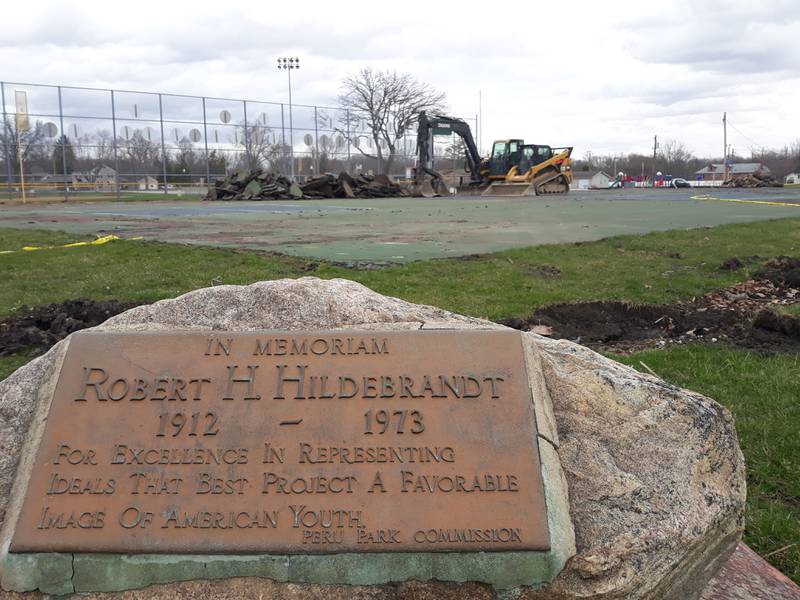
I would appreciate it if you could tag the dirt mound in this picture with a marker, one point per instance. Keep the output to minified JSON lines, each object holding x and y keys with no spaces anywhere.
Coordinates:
{"x":39,"y":328}
{"x":621,"y":327}
{"x":735,"y":263}
{"x":609,"y":321}
{"x":771,"y":320}
{"x":745,"y":315}
{"x":754,"y":180}
{"x":781,"y":270}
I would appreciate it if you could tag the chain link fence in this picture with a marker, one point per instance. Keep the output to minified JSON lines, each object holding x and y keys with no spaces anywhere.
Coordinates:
{"x":78,"y":141}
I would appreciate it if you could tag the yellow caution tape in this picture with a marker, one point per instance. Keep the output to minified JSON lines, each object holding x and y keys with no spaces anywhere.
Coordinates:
{"x":744,"y":201}
{"x":98,"y":242}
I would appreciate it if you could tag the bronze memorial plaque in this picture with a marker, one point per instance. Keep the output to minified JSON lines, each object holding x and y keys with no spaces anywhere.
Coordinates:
{"x":288,"y":442}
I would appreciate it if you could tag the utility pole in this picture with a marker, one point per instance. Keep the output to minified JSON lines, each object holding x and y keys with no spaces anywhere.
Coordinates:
{"x":480,"y":120}
{"x":725,"y":146}
{"x":655,"y":149}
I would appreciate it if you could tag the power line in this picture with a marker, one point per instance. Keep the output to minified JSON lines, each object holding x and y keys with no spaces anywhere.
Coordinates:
{"x":749,"y":139}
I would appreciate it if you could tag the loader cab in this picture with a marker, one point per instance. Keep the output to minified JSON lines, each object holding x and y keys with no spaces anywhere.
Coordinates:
{"x":505,"y":154}
{"x":532,"y":155}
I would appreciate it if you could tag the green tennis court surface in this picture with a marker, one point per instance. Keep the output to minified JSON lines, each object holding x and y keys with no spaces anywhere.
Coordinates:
{"x":406,"y":229}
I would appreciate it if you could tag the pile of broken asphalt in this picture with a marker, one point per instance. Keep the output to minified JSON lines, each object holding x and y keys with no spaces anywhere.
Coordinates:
{"x":258,"y":184}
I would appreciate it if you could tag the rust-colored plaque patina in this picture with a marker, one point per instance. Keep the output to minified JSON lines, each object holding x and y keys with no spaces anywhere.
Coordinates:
{"x":284,"y":442}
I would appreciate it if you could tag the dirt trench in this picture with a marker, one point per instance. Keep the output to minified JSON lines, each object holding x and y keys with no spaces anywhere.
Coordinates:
{"x":37,"y":329}
{"x":746,"y":315}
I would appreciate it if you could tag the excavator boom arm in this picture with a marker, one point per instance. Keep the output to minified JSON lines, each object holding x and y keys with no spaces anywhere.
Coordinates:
{"x":457,"y":126}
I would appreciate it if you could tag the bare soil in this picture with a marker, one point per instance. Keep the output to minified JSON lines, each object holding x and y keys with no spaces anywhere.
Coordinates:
{"x":37,"y":329}
{"x":746,"y":315}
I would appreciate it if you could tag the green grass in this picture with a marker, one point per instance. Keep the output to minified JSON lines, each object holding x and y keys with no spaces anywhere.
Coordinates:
{"x":651,"y":268}
{"x":790,"y":309}
{"x":9,"y":364}
{"x":663,"y":267}
{"x":125,"y":270}
{"x":762,"y":393}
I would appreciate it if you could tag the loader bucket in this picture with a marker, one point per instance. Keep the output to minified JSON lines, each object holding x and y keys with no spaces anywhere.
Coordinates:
{"x":509,"y":189}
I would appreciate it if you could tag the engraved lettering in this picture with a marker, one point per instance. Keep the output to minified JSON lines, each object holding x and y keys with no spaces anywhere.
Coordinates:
{"x":298,"y":381}
{"x":272,"y":454}
{"x":71,"y":520}
{"x":154,"y":483}
{"x":250,"y":381}
{"x":75,"y":456}
{"x":88,"y":372}
{"x":377,"y":482}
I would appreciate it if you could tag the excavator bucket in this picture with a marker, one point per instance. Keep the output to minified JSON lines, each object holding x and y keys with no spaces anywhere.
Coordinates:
{"x":429,"y":188}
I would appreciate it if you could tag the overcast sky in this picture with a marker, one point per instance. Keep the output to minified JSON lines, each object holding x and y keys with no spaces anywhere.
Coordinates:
{"x":601,"y":76}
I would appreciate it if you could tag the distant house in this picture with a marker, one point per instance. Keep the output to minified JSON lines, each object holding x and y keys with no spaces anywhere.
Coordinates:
{"x":57,"y":181}
{"x":600,"y":181}
{"x":716,"y":171}
{"x":101,"y":179}
{"x":105,"y":178}
{"x":792,"y":178}
{"x":586,"y":180}
{"x":148,"y":183}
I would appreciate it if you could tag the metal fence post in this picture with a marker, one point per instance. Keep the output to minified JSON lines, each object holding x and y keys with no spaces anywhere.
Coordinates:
{"x":6,"y":131}
{"x":205,"y":141}
{"x":63,"y":144}
{"x":114,"y":143}
{"x":316,"y":144}
{"x":283,"y":136}
{"x":247,"y":148}
{"x":163,"y":147}
{"x":347,"y":137}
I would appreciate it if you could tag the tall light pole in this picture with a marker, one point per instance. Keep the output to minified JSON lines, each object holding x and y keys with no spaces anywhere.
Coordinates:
{"x":288,"y":64}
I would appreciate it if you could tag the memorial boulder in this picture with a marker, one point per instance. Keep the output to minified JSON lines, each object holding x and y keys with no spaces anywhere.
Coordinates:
{"x":316,"y":439}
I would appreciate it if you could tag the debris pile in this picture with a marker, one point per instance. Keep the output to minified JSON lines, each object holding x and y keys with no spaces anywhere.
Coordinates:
{"x":754,"y":180}
{"x":262,"y":185}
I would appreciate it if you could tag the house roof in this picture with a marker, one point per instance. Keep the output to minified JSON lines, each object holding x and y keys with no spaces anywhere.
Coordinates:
{"x":733,"y":169}
{"x":588,"y":174}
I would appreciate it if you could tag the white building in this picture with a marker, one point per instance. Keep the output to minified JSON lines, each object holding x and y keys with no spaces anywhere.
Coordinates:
{"x":585,"y":180}
{"x":148,"y":184}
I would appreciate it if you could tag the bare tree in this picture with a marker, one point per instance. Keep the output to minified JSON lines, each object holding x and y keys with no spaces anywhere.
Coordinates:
{"x":141,"y":152}
{"x":387,"y":103}
{"x":674,"y":157}
{"x":326,"y":149}
{"x":186,"y":159}
{"x":31,"y":144}
{"x":104,"y":145}
{"x":261,"y":148}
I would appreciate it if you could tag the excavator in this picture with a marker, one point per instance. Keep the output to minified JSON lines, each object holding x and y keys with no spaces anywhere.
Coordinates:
{"x":514,"y":168}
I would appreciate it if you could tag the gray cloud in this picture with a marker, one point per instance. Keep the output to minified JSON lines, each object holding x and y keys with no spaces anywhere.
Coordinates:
{"x":606,"y":78}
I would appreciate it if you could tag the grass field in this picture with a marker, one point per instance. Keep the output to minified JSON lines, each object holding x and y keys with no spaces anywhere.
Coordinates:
{"x":761,"y":391}
{"x":652,"y":268}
